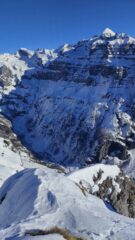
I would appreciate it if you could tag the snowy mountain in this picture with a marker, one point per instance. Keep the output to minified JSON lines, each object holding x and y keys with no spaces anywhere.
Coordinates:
{"x":74,"y":105}
{"x":62,"y":110}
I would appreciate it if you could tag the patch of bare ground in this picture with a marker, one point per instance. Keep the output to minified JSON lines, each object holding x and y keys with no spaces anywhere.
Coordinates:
{"x":64,"y":233}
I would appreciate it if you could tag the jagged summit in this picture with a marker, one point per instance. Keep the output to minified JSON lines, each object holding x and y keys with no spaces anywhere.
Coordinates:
{"x":114,"y":39}
{"x":108,"y":33}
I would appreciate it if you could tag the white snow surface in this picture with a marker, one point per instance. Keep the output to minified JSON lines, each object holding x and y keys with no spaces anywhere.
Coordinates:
{"x":42,"y":199}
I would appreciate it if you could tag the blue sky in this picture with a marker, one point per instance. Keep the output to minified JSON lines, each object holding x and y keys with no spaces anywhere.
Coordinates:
{"x":51,"y":23}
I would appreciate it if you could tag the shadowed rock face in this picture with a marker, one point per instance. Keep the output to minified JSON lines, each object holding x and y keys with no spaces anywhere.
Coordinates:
{"x":5,"y":76}
{"x":75,"y":105}
{"x":10,"y":139}
{"x":122,"y":201}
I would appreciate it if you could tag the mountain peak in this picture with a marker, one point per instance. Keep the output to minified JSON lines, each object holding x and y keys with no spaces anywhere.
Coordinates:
{"x":108,"y":33}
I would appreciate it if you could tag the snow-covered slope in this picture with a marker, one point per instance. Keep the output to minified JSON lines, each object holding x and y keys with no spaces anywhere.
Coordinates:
{"x":34,"y":200}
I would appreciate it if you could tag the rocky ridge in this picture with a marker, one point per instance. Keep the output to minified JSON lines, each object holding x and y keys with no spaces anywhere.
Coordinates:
{"x":110,"y":184}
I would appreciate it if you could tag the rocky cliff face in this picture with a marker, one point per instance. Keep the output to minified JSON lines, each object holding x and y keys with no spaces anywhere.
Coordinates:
{"x":74,"y":105}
